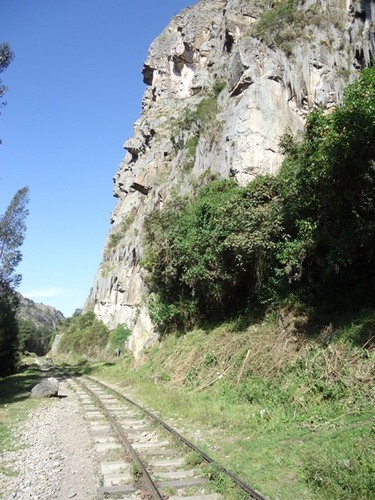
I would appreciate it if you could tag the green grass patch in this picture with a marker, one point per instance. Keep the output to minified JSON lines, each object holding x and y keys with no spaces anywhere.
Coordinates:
{"x":290,"y":416}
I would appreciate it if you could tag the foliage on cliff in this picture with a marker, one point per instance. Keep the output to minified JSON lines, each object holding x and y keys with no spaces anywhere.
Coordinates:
{"x":328,"y":197}
{"x":85,"y":336}
{"x":83,"y":333}
{"x":306,"y":234}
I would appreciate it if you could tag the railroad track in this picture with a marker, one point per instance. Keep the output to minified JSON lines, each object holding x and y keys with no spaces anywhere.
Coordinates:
{"x":138,"y":452}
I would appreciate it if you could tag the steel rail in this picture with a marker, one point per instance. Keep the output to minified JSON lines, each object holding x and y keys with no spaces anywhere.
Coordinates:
{"x":241,"y":484}
{"x":124,"y":441}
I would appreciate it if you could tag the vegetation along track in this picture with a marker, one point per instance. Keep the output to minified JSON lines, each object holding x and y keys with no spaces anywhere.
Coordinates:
{"x":137,"y":453}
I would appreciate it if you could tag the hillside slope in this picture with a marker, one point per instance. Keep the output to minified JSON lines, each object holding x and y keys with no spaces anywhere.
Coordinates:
{"x":41,"y":315}
{"x":37,"y":323}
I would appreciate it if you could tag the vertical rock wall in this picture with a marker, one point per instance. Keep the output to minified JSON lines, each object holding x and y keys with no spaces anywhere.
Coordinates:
{"x":208,"y":52}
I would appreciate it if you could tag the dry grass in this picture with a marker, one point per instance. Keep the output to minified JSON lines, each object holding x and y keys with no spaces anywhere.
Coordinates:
{"x":264,"y":349}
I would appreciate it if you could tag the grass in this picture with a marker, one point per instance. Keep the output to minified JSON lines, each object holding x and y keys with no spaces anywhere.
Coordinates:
{"x":290,"y":413}
{"x":291,"y":416}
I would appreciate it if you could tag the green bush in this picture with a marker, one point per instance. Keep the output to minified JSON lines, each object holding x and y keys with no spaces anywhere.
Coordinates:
{"x":283,"y":24}
{"x":119,"y":336}
{"x":114,"y":240}
{"x":198,"y":122}
{"x":209,"y":255}
{"x":328,"y":197}
{"x":9,"y":332}
{"x":35,"y":338}
{"x":83,"y":334}
{"x":277,"y":24}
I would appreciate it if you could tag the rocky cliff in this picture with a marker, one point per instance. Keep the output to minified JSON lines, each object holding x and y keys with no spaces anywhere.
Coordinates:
{"x":224,"y":81}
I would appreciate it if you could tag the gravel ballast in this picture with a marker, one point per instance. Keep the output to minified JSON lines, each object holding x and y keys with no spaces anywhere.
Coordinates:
{"x":56,"y":459}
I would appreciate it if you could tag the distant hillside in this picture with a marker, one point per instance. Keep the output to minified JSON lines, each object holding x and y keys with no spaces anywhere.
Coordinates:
{"x":37,"y":324}
{"x":41,"y":315}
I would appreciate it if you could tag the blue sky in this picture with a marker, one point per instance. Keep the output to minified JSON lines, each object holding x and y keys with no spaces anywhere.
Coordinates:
{"x":75,"y":90}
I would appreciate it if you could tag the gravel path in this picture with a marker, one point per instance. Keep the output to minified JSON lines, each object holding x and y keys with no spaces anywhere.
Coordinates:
{"x":57,"y":460}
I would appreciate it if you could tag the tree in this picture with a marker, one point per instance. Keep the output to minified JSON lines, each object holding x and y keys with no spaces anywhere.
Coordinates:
{"x":34,"y":338}
{"x":9,"y":336}
{"x":327,"y":190}
{"x":12,"y":233}
{"x":307,"y":234}
{"x":6,"y":57}
{"x":208,"y":257}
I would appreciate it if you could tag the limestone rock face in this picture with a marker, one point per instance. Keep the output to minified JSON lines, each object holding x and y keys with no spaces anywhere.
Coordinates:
{"x":259,"y":89}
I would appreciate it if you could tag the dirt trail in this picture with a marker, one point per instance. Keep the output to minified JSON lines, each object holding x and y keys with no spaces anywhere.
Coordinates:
{"x":57,"y":460}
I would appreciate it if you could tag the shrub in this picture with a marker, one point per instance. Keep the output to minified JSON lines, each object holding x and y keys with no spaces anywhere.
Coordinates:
{"x":327,"y":189}
{"x":283,"y":23}
{"x":119,"y":336}
{"x":198,"y":122}
{"x":275,"y":25}
{"x":9,"y":332}
{"x":114,"y":240}
{"x":207,"y":256}
{"x":83,"y":334}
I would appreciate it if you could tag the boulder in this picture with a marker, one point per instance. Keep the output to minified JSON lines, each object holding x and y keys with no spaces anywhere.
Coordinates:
{"x":46,"y":389}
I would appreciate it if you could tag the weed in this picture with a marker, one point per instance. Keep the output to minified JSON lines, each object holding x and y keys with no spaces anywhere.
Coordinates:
{"x":193,"y":459}
{"x":114,"y":239}
{"x":209,"y":359}
{"x":106,"y":268}
{"x":191,"y":376}
{"x":135,"y":471}
{"x":348,"y":472}
{"x":191,"y":146}
{"x":221,"y":483}
{"x":168,"y":490}
{"x":218,"y":87}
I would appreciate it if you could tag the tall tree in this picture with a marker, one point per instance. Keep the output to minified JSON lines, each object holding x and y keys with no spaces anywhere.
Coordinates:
{"x":6,"y":57}
{"x":12,"y":233}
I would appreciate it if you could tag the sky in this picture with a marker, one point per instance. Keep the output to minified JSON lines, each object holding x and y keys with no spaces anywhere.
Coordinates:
{"x":74,"y":92}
